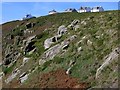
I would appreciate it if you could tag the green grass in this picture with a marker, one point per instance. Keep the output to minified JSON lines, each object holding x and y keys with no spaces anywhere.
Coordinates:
{"x":8,"y":70}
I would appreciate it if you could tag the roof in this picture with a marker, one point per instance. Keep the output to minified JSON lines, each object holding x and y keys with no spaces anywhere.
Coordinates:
{"x":52,"y":11}
{"x":27,"y":16}
{"x":70,"y":9}
{"x":83,"y":8}
{"x":98,"y":7}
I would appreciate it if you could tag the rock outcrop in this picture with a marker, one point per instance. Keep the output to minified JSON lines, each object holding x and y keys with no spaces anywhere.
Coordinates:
{"x":10,"y":56}
{"x":17,"y":40}
{"x":23,"y":77}
{"x":62,"y":30}
{"x":71,"y":64}
{"x":30,"y":25}
{"x":25,"y":60}
{"x":28,"y":44}
{"x":28,"y":31}
{"x":11,"y":77}
{"x":74,"y":25}
{"x":1,"y":75}
{"x":107,"y":60}
{"x":53,"y":51}
{"x":48,"y":42}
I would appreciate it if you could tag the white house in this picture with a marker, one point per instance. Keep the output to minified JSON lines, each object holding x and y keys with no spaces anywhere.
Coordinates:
{"x":84,"y":9}
{"x":70,"y":10}
{"x":52,"y":12}
{"x":97,"y":9}
{"x":28,"y":16}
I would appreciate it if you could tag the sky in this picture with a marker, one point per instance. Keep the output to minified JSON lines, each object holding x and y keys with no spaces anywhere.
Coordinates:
{"x":17,"y":10}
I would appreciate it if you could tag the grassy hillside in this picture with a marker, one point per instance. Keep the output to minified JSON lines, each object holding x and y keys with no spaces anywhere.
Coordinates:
{"x":97,"y":35}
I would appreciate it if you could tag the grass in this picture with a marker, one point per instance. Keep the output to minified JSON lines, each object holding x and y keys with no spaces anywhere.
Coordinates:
{"x":58,"y":60}
{"x":86,"y":60}
{"x":8,"y":70}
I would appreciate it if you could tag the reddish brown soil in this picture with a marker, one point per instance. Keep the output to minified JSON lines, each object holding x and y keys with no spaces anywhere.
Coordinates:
{"x":55,"y":79}
{"x":60,"y":79}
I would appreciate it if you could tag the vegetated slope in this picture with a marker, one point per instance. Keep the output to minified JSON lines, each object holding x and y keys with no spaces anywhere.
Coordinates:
{"x":83,"y":47}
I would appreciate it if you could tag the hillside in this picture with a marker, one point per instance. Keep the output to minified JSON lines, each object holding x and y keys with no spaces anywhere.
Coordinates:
{"x":65,"y":50}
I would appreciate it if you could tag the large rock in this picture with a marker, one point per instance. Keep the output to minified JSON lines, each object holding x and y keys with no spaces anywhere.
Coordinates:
{"x":17,"y":40}
{"x":10,"y":54}
{"x":28,"y":40}
{"x":65,"y":44}
{"x":11,"y":57}
{"x":71,"y":38}
{"x":11,"y":77}
{"x":50,"y":53}
{"x":62,"y":30}
{"x":28,"y":44}
{"x":28,"y":31}
{"x":76,"y":27}
{"x":83,"y":23}
{"x":30,"y":25}
{"x":8,"y":49}
{"x":107,"y":60}
{"x":32,"y":51}
{"x":23,"y":77}
{"x":25,"y":60}
{"x":71,"y":64}
{"x":53,"y":51}
{"x":74,"y":24}
{"x":48,"y":42}
{"x":1,"y":75}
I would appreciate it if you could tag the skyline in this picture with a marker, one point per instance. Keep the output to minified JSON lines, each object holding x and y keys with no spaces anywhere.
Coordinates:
{"x":17,"y":10}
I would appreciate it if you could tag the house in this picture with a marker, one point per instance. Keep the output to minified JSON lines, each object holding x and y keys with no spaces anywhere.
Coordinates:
{"x":84,"y":9}
{"x":28,"y":16}
{"x":97,"y":9}
{"x":70,"y":10}
{"x":52,"y":12}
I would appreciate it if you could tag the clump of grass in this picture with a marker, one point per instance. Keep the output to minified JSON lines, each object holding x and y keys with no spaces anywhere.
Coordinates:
{"x":8,"y":70}
{"x":45,"y":65}
{"x":57,"y":60}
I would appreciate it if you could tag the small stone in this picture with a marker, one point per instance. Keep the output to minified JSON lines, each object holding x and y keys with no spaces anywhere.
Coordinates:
{"x":79,"y":49}
{"x":89,"y":42}
{"x":68,"y":70}
{"x":25,"y":60}
{"x":23,"y":77}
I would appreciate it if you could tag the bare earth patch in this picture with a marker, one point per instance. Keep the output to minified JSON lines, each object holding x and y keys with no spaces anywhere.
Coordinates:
{"x":58,"y":79}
